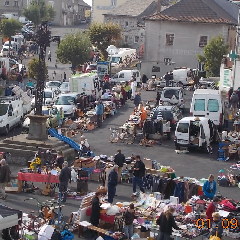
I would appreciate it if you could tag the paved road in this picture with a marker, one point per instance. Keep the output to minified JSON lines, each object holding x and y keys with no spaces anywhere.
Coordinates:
{"x":194,"y":164}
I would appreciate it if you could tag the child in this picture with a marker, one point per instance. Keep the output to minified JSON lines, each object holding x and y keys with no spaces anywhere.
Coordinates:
{"x":128,"y":221}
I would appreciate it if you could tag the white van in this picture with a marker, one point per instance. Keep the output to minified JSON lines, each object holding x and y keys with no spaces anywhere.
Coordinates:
{"x":195,"y":132}
{"x":207,"y":103}
{"x":181,"y":76}
{"x":172,"y":95}
{"x":11,"y":113}
{"x":126,"y":75}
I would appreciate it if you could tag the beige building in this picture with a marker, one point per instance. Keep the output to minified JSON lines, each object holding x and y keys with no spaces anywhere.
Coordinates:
{"x":174,"y":37}
{"x":100,"y":7}
{"x":13,"y":6}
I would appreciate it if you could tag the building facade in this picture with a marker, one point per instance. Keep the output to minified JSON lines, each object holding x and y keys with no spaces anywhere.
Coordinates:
{"x":68,"y":12}
{"x":100,"y":7}
{"x":178,"y":34}
{"x":130,"y":17}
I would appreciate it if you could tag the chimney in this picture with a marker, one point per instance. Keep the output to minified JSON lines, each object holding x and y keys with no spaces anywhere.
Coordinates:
{"x":159,"y":6}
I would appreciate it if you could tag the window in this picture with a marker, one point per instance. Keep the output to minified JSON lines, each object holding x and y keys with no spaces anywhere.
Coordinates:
{"x":121,"y":75}
{"x":183,"y":127}
{"x":114,"y":2}
{"x":126,"y":23}
{"x":6,"y":3}
{"x":126,"y":39}
{"x":213,"y":105}
{"x":169,"y":39}
{"x":199,"y":105}
{"x":15,"y":3}
{"x":203,"y":41}
{"x":136,"y":39}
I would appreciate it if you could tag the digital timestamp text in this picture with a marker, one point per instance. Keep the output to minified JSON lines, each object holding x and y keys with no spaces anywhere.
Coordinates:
{"x":227,"y":223}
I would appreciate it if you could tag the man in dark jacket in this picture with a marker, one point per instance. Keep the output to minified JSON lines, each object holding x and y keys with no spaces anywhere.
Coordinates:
{"x":137,"y":100}
{"x":4,"y":177}
{"x":138,"y":173}
{"x":64,"y":178}
{"x":112,"y":183}
{"x":119,"y":160}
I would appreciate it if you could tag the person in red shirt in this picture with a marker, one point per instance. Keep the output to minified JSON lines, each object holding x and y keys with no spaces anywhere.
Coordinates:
{"x":212,"y":207}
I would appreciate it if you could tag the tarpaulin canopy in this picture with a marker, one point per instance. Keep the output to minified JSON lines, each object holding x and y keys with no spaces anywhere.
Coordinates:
{"x":9,"y":217}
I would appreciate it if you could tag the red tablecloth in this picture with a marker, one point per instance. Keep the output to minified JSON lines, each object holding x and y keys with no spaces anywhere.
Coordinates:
{"x":36,"y":177}
{"x":103,"y":216}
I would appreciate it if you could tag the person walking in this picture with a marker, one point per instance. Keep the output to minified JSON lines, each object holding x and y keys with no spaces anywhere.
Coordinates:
{"x":144,"y":81}
{"x":166,"y":223}
{"x":60,"y":117}
{"x":210,"y":187}
{"x":4,"y":177}
{"x":137,"y":100}
{"x":64,"y":77}
{"x":119,"y":160}
{"x":49,"y":56}
{"x":129,"y":217}
{"x":138,"y":174}
{"x":64,"y":178}
{"x":234,"y":102}
{"x":59,"y":159}
{"x":99,"y":112}
{"x":128,"y":90}
{"x":112,"y":183}
{"x":133,"y":87}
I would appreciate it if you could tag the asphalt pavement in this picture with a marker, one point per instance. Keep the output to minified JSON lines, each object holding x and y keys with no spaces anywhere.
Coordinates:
{"x":194,"y":164}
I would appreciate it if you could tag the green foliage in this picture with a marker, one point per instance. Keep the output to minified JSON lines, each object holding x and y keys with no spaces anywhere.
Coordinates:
{"x":36,"y":69}
{"x":39,"y":11}
{"x":75,"y":49}
{"x":104,"y":34}
{"x":212,"y":56}
{"x":9,"y":27}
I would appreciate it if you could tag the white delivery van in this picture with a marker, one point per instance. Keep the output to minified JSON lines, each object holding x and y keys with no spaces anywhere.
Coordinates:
{"x":122,"y":55}
{"x":11,"y":113}
{"x":181,"y":76}
{"x":126,"y":75}
{"x":173,"y":96}
{"x":87,"y":83}
{"x":195,"y":132}
{"x":207,"y":103}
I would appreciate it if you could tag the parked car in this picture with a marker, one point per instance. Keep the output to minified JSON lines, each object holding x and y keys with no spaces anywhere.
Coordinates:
{"x":64,"y":88}
{"x":172,"y":96}
{"x":52,"y":121}
{"x":49,"y":98}
{"x":68,"y":102}
{"x":53,"y":84}
{"x":195,"y":132}
{"x":169,"y":113}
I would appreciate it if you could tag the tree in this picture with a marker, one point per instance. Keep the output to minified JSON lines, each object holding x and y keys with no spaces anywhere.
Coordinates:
{"x":75,"y":49}
{"x":104,"y":34}
{"x":8,"y":28}
{"x":36,"y":69}
{"x":212,"y":56}
{"x":39,"y":11}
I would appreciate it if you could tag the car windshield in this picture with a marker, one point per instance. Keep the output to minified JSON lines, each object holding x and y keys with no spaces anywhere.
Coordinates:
{"x":64,"y":85}
{"x":183,"y":127}
{"x":166,"y":115}
{"x":48,"y":94}
{"x":65,"y":100}
{"x":115,"y":59}
{"x":53,"y":84}
{"x":3,"y":109}
{"x":170,"y":92}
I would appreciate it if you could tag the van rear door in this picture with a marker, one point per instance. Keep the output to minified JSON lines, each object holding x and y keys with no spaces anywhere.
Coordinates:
{"x":199,"y":107}
{"x":182,"y":133}
{"x":214,"y":110}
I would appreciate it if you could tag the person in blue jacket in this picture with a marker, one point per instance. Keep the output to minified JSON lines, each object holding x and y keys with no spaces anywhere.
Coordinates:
{"x":210,"y":187}
{"x":99,"y":112}
{"x":112,"y":183}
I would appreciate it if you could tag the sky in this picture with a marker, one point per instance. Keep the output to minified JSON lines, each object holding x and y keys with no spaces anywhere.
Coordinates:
{"x":88,"y":1}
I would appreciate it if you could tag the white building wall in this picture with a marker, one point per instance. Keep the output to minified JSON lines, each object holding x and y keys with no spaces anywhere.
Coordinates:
{"x":185,"y":47}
